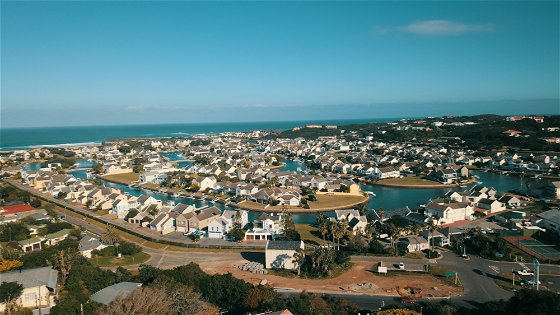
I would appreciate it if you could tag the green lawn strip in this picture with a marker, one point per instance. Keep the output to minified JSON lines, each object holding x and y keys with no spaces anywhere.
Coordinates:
{"x":110,"y":261}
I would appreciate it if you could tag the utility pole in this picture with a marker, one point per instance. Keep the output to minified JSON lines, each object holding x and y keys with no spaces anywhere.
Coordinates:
{"x":537,"y":267}
{"x":512,"y":277}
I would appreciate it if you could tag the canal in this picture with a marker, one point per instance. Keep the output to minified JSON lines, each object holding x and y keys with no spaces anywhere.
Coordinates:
{"x":387,"y":198}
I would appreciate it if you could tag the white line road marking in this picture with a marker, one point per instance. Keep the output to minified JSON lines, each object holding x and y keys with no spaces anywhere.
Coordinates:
{"x":495,"y":268}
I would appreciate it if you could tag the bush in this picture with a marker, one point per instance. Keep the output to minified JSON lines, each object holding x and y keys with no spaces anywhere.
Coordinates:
{"x":105,"y":252}
{"x":127,"y":248}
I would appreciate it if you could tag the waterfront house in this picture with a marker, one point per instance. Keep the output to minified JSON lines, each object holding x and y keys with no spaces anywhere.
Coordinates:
{"x":265,"y":227}
{"x":445,"y":211}
{"x":445,"y":176}
{"x":163,"y":223}
{"x":356,"y":222}
{"x":385,"y":172}
{"x":492,"y":205}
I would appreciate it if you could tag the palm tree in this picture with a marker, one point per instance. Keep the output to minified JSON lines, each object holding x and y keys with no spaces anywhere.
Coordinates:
{"x":333,"y":227}
{"x":63,"y":261}
{"x":298,"y":259}
{"x":395,"y":237}
{"x":110,"y":237}
{"x":340,"y":231}
{"x":432,"y":228}
{"x":324,"y":229}
{"x":370,"y":230}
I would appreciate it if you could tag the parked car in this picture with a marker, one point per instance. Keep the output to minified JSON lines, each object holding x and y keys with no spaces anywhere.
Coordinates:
{"x":401,"y":265}
{"x":407,"y":299}
{"x":525,"y":272}
{"x":533,"y":282}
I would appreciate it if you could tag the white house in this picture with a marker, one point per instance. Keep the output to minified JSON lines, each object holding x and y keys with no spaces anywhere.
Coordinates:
{"x":356,"y":222}
{"x":449,"y":212}
{"x":492,"y":205}
{"x":550,"y":220}
{"x":39,"y":286}
{"x":385,"y":172}
{"x":163,"y":223}
{"x":280,"y":254}
{"x":88,"y":244}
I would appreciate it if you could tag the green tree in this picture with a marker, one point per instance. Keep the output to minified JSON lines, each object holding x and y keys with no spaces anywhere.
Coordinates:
{"x":13,"y":231}
{"x":289,"y":232}
{"x":36,"y":203}
{"x":110,"y":237}
{"x":298,"y":260}
{"x":10,"y":291}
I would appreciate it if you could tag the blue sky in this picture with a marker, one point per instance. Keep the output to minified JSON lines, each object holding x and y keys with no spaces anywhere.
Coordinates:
{"x":87,"y":63}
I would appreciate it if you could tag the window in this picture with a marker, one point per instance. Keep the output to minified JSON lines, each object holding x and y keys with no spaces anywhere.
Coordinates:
{"x":30,"y":297}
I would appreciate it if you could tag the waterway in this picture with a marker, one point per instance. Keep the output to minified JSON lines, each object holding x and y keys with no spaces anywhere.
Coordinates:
{"x":388,"y":198}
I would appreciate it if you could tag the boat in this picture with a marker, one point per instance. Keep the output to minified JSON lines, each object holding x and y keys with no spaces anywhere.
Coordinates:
{"x":371,"y":193}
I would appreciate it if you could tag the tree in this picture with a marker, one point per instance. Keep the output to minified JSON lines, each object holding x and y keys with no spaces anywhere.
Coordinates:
{"x":128,"y":248}
{"x":237,"y":234}
{"x":36,"y":203}
{"x":110,"y":237}
{"x":184,"y":299}
{"x":142,"y":301}
{"x":358,"y":244}
{"x":298,"y":259}
{"x":13,"y":231}
{"x":288,"y":227}
{"x":10,"y":291}
{"x":431,"y":228}
{"x":260,"y":297}
{"x":63,"y":261}
{"x":6,"y":265}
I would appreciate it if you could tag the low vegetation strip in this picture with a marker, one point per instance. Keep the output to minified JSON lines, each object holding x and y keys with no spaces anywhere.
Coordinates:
{"x":324,"y":203}
{"x":411,"y":182}
{"x":124,"y":178}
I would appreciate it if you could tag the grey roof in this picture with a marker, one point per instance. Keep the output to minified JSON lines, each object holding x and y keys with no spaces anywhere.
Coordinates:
{"x":110,"y":293}
{"x":284,"y":245}
{"x":88,"y":243}
{"x":551,"y":215}
{"x":34,"y":277}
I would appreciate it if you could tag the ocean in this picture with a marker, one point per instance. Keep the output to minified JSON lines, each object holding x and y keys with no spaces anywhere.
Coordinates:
{"x":24,"y":138}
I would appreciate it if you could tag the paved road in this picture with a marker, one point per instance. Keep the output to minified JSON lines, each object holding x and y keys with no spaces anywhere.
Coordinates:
{"x":131,"y":228}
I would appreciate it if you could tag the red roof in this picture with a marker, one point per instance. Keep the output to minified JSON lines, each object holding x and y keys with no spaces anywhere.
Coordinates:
{"x":16,"y":209}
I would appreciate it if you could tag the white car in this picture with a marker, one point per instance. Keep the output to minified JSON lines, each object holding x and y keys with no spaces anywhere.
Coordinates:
{"x":401,"y":265}
{"x":533,"y":282}
{"x":525,"y":272}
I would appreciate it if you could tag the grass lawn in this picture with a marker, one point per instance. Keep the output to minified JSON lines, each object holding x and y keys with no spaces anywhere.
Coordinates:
{"x":123,"y":261}
{"x":439,"y":272}
{"x":323,"y":203}
{"x":309,"y":232}
{"x":125,"y":178}
{"x":151,"y":185}
{"x":408,"y":181}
